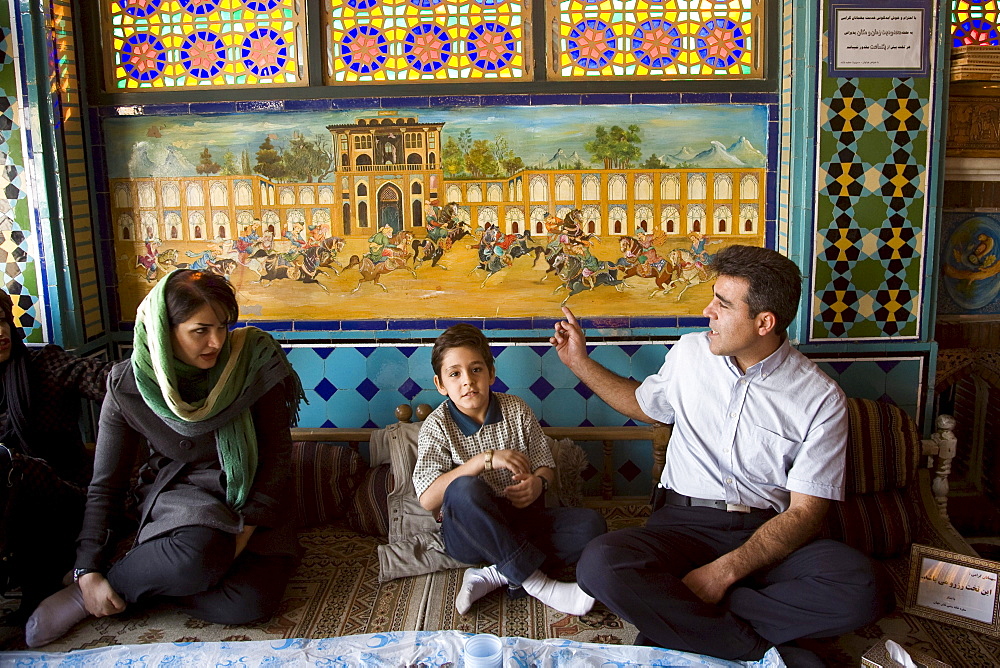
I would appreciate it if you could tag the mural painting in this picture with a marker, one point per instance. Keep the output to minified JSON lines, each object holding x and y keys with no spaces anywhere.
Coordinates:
{"x":970,"y":272}
{"x":405,"y":213}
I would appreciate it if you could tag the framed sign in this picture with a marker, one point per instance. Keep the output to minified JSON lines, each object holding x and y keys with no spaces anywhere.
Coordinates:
{"x":954,"y":588}
{"x":879,"y":38}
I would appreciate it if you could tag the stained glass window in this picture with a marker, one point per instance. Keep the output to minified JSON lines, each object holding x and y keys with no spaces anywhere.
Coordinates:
{"x":382,"y":41}
{"x":170,"y":44}
{"x":646,"y":39}
{"x":974,"y":22}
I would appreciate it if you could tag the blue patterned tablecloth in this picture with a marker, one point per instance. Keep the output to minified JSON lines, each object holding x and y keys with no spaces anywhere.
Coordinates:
{"x":423,"y":649}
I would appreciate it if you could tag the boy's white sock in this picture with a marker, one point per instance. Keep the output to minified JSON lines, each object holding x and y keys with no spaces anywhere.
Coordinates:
{"x":55,"y":616}
{"x":563,"y":596}
{"x":476,"y":583}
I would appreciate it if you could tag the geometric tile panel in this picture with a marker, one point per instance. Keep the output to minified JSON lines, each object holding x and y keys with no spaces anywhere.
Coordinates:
{"x":358,"y":386}
{"x":17,"y":259}
{"x":871,"y":187}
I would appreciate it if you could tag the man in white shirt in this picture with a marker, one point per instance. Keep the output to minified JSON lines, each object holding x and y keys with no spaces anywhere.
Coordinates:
{"x":728,"y":564}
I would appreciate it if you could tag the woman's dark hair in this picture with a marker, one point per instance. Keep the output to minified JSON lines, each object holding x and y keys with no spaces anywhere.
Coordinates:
{"x":189,"y":290}
{"x":462,"y":335}
{"x":775,"y":284}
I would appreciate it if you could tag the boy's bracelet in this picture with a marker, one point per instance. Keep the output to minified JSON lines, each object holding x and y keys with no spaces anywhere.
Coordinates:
{"x":488,"y":460}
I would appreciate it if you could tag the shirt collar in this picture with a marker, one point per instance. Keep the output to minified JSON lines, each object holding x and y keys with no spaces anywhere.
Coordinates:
{"x":766,"y":366}
{"x":470,"y":427}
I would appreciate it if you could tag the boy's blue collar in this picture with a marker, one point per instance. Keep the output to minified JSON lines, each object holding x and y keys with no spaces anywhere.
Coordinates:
{"x":470,"y":427}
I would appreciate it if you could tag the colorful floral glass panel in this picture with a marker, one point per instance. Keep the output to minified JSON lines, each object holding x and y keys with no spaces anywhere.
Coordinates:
{"x":193,"y":43}
{"x":645,"y":39}
{"x":974,"y":23}
{"x":383,"y":41}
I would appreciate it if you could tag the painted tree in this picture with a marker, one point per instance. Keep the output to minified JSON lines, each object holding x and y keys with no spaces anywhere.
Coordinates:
{"x":307,"y":160}
{"x":229,"y":166}
{"x":245,"y":166}
{"x":479,"y":159}
{"x":617,"y":147}
{"x":654,"y":162}
{"x":269,"y":161}
{"x":504,"y":155}
{"x":207,"y":165}
{"x":452,"y":157}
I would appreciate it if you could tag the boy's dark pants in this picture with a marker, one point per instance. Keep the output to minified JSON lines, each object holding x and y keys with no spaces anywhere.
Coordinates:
{"x":824,"y":588}
{"x":479,"y":527}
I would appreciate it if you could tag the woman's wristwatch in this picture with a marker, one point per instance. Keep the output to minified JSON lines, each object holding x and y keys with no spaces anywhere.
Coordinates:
{"x":545,"y":483}
{"x":488,"y":460}
{"x":80,"y":572}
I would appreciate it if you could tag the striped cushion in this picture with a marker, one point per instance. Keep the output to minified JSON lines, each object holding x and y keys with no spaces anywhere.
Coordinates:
{"x":880,"y":524}
{"x":883,"y":447}
{"x":883,"y":452}
{"x":325,"y":476}
{"x":368,"y":512}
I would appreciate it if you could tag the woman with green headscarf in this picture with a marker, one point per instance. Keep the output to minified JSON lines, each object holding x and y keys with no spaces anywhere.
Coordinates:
{"x":208,"y":412}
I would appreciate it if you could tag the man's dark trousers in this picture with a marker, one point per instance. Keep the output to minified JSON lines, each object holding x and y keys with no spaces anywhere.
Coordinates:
{"x":824,"y":588}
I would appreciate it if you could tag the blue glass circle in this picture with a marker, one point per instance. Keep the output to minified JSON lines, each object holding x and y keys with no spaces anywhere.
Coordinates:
{"x":361,"y":4}
{"x":410,"y":44}
{"x":360,"y":66}
{"x":150,"y":7}
{"x":199,"y":7}
{"x":482,"y":61}
{"x":261,"y":5}
{"x":964,"y":29}
{"x":664,"y":59}
{"x":590,"y":61}
{"x":218,"y":46}
{"x":281,"y":55}
{"x":738,"y":40}
{"x":159,"y":62}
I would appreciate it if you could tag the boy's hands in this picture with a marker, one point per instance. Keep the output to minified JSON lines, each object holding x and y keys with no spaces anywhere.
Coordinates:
{"x":513,"y":460}
{"x":526,"y":488}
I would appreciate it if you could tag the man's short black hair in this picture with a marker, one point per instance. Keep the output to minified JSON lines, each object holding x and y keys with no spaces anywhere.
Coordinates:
{"x":462,"y":335}
{"x":775,"y":284}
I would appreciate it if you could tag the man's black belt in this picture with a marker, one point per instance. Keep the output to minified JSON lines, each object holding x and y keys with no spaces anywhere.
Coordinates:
{"x":675,"y":499}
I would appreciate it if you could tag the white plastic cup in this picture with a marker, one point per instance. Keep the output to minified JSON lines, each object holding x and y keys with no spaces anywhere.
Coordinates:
{"x":483,"y":650}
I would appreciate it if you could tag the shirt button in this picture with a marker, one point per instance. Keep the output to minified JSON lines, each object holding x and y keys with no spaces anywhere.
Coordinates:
{"x":763,"y":375}
{"x":729,"y":481}
{"x":732,"y":415}
{"x":726,"y":450}
{"x":186,"y":444}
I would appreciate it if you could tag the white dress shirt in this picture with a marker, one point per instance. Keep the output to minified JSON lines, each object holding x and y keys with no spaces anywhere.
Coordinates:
{"x":748,"y":438}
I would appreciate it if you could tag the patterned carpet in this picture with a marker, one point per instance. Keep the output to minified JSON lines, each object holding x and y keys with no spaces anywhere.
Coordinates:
{"x":336,"y":592}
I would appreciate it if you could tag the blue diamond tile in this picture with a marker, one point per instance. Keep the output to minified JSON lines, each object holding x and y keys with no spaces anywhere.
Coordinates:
{"x":410,"y":389}
{"x":307,"y":364}
{"x":498,"y":386}
{"x":382,"y":407}
{"x":370,"y":425}
{"x":629,"y":470}
{"x":407,"y":350}
{"x":345,"y":368}
{"x":365,"y":350}
{"x":556,"y":372}
{"x":586,"y":423}
{"x":368,"y":389}
{"x":630,"y":350}
{"x":564,"y":408}
{"x":325,"y":389}
{"x":327,"y":425}
{"x":541,"y":388}
{"x":540,"y":350}
{"x":583,"y":390}
{"x":388,"y":367}
{"x":323,"y":352}
{"x":519,"y":366}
